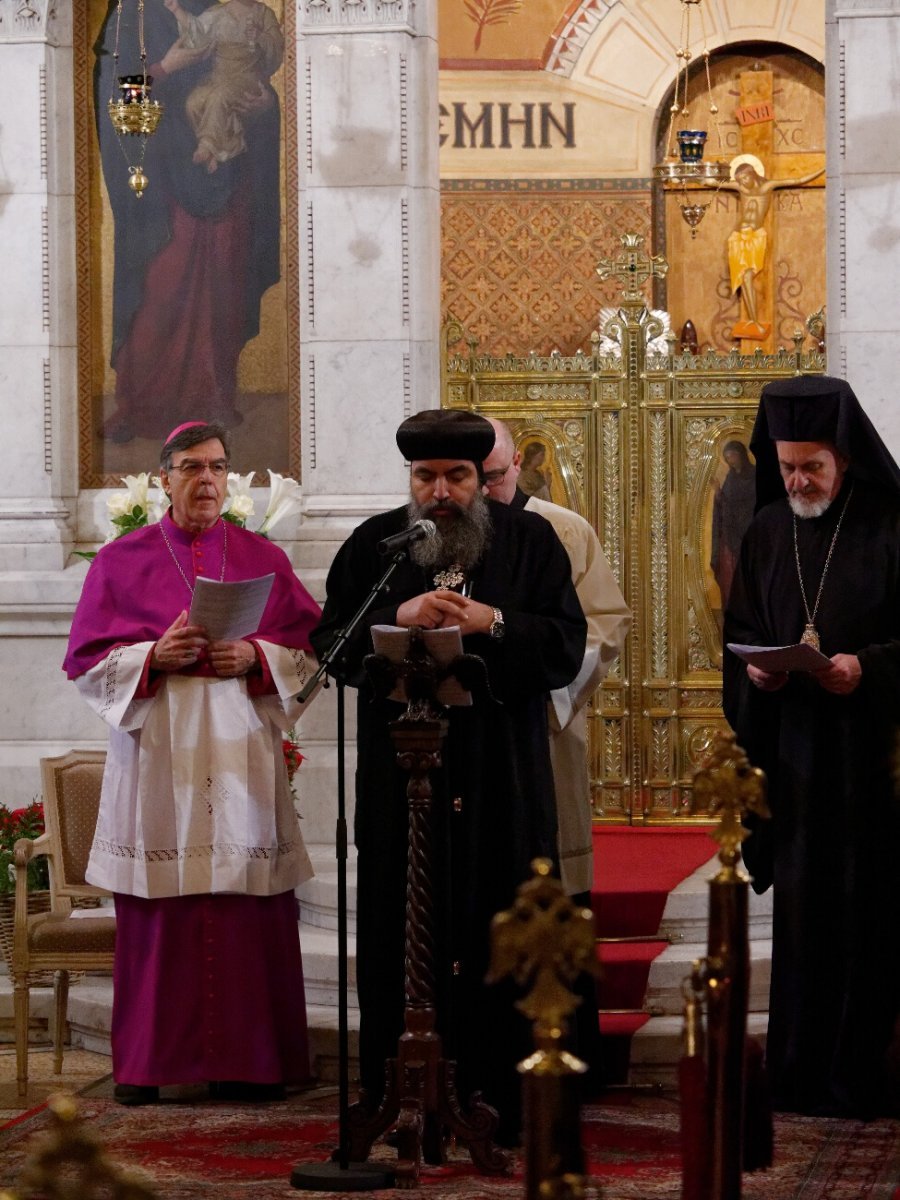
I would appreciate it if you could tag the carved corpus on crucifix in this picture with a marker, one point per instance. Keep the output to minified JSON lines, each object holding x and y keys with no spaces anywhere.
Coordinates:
{"x":750,"y":264}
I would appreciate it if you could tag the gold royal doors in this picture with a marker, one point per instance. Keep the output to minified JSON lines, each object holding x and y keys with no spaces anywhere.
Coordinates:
{"x":651,"y":446}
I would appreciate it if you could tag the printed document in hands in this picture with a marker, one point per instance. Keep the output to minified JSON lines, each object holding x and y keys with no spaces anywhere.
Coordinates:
{"x":445,"y":644}
{"x":773,"y":659}
{"x":228,"y":611}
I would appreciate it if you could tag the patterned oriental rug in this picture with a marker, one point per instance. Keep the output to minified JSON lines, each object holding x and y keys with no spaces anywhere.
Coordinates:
{"x":185,"y":1151}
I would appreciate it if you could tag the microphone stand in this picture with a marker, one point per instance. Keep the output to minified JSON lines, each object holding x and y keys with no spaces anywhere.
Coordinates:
{"x":341,"y":1175}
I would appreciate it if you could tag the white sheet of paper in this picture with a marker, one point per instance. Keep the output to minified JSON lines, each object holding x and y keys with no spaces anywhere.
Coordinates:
{"x":228,"y":611}
{"x":442,"y":644}
{"x":800,"y":657}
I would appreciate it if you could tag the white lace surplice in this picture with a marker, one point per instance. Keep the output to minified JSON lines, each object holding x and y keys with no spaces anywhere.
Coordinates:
{"x":195,"y":793}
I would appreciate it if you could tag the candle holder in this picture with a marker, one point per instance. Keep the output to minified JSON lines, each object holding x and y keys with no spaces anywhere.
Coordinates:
{"x":690,"y":144}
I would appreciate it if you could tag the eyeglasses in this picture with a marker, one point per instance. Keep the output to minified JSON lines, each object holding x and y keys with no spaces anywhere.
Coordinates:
{"x":191,"y":468}
{"x":492,"y":478}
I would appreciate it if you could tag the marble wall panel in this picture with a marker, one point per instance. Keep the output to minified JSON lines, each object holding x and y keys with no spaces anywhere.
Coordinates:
{"x":60,"y":151}
{"x":61,"y":423}
{"x":350,"y":426}
{"x":23,"y":229}
{"x":354,"y":86}
{"x":871,"y":52}
{"x":22,"y":382}
{"x":356,"y":244}
{"x":43,"y":706}
{"x":872,"y":242}
{"x":425,"y":377}
{"x":421,"y":108}
{"x":59,"y":290}
{"x":420,"y":266}
{"x":22,"y":152}
{"x":868,"y":360}
{"x":317,"y":791}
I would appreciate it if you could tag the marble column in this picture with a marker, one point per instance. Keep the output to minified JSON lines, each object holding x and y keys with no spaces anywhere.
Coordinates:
{"x":369,"y":200}
{"x":863,"y":186}
{"x":39,"y":587}
{"x":370,"y":235}
{"x":37,"y":299}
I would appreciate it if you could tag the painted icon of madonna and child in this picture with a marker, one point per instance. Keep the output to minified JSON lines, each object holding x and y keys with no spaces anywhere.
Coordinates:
{"x":196,"y":255}
{"x":245,"y":43}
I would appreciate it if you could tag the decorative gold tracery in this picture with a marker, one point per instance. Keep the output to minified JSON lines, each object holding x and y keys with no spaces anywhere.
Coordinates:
{"x":635,"y":443}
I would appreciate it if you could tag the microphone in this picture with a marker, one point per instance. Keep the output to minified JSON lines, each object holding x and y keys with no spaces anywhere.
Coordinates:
{"x":399,"y":541}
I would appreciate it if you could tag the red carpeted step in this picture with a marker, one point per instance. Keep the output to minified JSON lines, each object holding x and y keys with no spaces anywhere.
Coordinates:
{"x":622,"y":1024}
{"x":625,"y":967}
{"x":634,"y":871}
{"x":616,"y":1030}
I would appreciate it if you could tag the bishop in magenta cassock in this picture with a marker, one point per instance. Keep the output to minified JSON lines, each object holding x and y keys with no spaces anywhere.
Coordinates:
{"x":197,"y":835}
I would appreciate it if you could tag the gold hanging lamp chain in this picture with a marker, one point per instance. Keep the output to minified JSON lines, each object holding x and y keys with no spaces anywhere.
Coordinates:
{"x":686,"y":52}
{"x":713,"y":107}
{"x":132,"y":112}
{"x":682,"y":56}
{"x":115,"y":74}
{"x":141,"y":45}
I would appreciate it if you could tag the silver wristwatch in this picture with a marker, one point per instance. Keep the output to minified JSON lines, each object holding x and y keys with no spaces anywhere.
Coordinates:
{"x":497,"y":628}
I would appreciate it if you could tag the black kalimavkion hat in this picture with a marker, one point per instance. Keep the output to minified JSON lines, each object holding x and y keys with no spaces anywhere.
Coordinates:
{"x":817,"y":408}
{"x":446,"y":433}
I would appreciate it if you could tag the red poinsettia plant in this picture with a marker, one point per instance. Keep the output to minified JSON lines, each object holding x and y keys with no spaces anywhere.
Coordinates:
{"x":292,"y":757}
{"x":18,"y":823}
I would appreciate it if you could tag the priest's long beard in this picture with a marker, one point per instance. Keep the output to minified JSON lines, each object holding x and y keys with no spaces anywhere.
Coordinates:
{"x":805,"y":508}
{"x":462,"y":535}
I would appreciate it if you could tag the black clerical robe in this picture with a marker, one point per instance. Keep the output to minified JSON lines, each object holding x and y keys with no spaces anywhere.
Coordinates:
{"x":494,"y":807}
{"x":831,"y":845}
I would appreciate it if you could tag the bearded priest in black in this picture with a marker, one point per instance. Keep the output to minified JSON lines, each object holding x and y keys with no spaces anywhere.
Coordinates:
{"x":821,"y":564}
{"x":504,"y":578}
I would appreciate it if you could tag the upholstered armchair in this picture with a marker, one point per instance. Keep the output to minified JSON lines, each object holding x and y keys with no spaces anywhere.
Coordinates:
{"x":60,"y":941}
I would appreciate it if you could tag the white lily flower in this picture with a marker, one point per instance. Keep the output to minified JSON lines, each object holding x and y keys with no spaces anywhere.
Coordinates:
{"x":157,"y":501}
{"x":118,"y":504}
{"x":137,"y":489}
{"x":285,"y":499}
{"x":239,"y":503}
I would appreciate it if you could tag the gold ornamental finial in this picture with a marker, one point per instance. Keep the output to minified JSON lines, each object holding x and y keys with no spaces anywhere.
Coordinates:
{"x":633,"y":269}
{"x":544,"y":941}
{"x":728,"y":787}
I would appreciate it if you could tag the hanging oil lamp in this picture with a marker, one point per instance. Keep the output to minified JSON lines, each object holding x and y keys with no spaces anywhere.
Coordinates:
{"x":684,"y":164}
{"x":132,"y":112}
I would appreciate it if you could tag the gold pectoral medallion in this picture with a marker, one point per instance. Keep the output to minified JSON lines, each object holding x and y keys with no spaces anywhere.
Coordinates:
{"x":810,"y":637}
